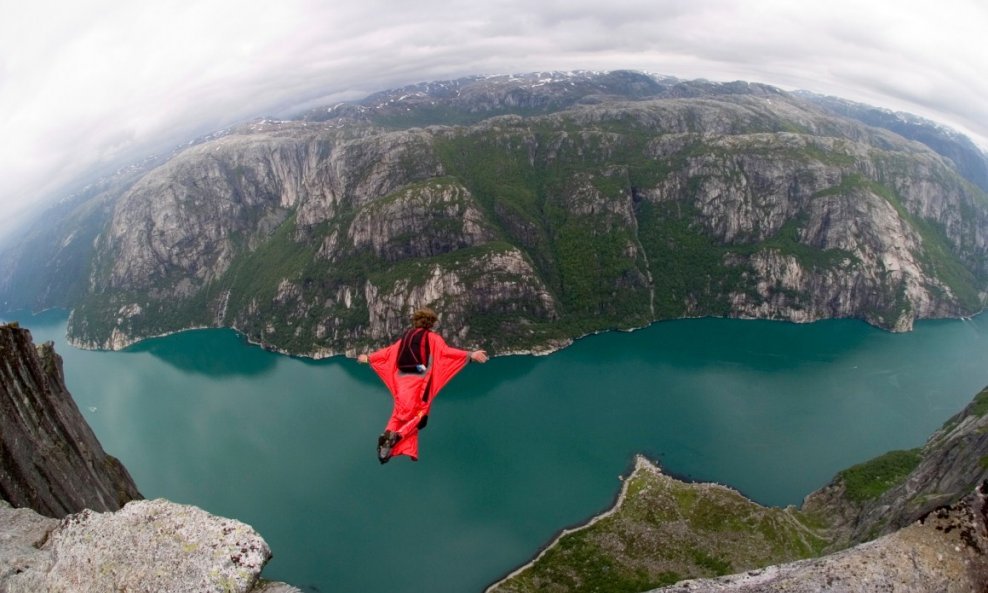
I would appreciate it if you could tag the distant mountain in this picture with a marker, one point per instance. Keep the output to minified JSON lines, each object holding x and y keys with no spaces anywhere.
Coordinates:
{"x":472,"y":99}
{"x":528,"y":209}
{"x":971,"y":161}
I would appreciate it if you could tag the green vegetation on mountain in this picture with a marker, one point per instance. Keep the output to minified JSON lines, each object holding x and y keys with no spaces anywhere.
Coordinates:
{"x":980,"y":407}
{"x":869,"y":480}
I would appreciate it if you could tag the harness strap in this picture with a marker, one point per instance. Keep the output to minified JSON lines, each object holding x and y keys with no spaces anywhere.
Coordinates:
{"x":428,"y":385}
{"x":424,"y":346}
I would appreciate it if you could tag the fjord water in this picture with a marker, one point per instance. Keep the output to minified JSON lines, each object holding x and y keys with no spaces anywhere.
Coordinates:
{"x":516,"y":449}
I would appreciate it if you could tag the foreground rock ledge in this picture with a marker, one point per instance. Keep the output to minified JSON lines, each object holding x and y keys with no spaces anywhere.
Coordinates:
{"x":148,"y":546}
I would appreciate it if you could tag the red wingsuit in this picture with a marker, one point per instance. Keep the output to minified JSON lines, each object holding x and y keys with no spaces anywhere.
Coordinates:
{"x":411,"y":400}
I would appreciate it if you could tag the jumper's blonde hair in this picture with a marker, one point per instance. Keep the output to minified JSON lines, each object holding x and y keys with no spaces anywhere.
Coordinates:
{"x":424,"y":318}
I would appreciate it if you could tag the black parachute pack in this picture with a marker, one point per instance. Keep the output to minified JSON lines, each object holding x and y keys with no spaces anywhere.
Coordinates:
{"x":413,"y":353}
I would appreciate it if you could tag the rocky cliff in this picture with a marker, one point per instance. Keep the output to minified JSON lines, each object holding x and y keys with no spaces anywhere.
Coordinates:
{"x":81,"y":526}
{"x":533,"y":209}
{"x":913,"y":521}
{"x":945,"y":551}
{"x":50,"y":460}
{"x":899,"y":488}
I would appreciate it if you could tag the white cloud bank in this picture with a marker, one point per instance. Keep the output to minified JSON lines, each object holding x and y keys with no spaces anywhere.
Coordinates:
{"x":99,"y":81}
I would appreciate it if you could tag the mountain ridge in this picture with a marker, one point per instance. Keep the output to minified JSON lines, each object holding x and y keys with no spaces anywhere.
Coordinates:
{"x":562,"y":206}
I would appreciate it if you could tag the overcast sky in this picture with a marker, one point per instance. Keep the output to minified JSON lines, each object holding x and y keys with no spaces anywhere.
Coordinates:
{"x":84,"y":82}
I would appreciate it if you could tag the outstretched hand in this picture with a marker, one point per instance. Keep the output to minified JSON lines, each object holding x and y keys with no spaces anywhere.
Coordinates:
{"x":363,"y":358}
{"x":479,"y":356}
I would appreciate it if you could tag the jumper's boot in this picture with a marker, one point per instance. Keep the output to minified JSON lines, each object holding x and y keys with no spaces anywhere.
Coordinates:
{"x":385,"y":443}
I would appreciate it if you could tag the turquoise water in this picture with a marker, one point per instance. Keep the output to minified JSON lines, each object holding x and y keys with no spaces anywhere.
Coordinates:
{"x":516,"y":449}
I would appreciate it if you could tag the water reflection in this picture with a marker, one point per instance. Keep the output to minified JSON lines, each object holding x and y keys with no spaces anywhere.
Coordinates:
{"x":755,"y":345}
{"x":210,"y":352}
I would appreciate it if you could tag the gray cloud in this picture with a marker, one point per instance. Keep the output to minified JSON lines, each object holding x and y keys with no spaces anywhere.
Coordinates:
{"x":107,"y":80}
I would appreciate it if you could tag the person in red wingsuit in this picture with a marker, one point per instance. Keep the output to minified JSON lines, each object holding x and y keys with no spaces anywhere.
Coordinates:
{"x":414,"y":369}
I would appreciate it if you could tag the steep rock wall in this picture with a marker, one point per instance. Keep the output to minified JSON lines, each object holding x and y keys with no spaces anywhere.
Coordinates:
{"x":50,"y":460}
{"x":950,"y":465}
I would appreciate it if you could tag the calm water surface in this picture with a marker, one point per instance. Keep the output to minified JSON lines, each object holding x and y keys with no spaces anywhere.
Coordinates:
{"x":516,"y":449}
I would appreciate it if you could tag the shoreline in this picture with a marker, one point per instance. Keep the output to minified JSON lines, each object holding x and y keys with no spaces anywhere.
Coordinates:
{"x":641,"y":463}
{"x":548,"y":349}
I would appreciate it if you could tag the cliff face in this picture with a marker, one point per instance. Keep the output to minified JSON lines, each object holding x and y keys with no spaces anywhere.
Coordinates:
{"x":50,"y":460}
{"x":222,"y":237}
{"x":893,"y":491}
{"x":601,"y":202}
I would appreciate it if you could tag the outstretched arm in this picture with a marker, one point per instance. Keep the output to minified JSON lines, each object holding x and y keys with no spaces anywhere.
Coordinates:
{"x":479,"y":356}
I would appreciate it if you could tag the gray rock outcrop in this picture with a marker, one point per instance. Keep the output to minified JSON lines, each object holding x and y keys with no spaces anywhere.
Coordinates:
{"x":149,"y":546}
{"x":945,"y":551}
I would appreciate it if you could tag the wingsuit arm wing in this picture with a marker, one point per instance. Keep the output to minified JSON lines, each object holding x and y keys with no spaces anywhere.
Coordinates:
{"x":446,"y":363}
{"x":383,"y":362}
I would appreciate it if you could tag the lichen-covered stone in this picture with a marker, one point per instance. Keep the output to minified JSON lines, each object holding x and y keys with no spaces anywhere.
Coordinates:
{"x":148,"y":546}
{"x":22,"y":532}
